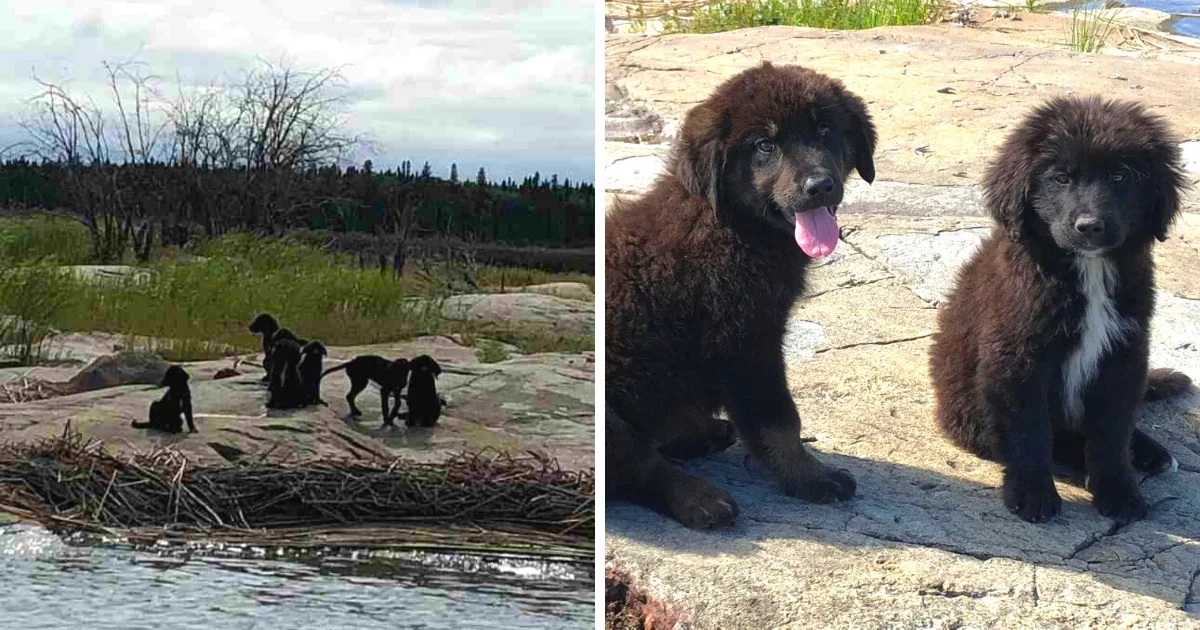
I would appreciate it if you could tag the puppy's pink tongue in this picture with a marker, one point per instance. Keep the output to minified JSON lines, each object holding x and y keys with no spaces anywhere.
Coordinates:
{"x":816,"y":232}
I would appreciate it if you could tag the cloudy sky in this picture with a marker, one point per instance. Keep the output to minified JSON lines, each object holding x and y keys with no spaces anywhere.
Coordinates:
{"x":505,"y":85}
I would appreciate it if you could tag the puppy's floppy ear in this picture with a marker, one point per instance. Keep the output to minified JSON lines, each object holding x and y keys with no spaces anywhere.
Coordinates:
{"x":434,"y":367}
{"x":1006,"y":185}
{"x":861,"y":135}
{"x":1168,"y":179}
{"x":699,"y":160}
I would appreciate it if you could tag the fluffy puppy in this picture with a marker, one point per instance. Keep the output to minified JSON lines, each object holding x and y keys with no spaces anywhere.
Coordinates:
{"x":1042,"y":349}
{"x":701,"y":274}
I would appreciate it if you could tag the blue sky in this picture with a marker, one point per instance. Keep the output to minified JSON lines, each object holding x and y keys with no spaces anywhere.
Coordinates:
{"x":504,"y":85}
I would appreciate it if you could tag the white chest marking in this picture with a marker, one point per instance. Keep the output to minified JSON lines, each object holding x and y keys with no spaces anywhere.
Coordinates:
{"x":1101,"y":328}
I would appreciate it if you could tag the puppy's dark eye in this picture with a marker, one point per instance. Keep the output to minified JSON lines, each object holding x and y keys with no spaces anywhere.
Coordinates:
{"x":766,"y":146}
{"x":1117,"y":177}
{"x":1062,"y":178}
{"x":823,"y":129}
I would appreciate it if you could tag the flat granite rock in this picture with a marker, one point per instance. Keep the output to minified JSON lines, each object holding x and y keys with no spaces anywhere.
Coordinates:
{"x":542,"y":402}
{"x":927,"y":542}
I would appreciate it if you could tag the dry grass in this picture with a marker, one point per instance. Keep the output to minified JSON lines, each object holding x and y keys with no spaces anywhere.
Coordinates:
{"x":470,"y":500}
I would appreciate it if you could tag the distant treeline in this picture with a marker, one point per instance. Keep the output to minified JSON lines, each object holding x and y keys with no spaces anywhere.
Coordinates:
{"x":176,"y":201}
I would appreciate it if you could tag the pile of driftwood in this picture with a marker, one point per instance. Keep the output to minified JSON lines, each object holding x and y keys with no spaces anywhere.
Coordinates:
{"x":74,"y":484}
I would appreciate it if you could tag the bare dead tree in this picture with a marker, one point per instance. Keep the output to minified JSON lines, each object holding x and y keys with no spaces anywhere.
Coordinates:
{"x":289,"y":121}
{"x":140,"y":125}
{"x":243,"y":146}
{"x":402,"y":214}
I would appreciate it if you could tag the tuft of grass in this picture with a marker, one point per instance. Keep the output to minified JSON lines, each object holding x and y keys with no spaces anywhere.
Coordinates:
{"x":489,"y":351}
{"x":1089,"y":29}
{"x":43,"y":238}
{"x":727,"y":15}
{"x":30,"y":298}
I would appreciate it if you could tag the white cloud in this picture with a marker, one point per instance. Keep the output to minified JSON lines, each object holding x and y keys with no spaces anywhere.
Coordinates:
{"x":504,"y":85}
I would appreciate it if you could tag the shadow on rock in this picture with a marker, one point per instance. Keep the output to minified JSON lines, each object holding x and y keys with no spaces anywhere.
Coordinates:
{"x":901,"y":506}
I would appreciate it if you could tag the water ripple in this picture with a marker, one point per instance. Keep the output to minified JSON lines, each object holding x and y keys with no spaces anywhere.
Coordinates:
{"x":49,"y":584}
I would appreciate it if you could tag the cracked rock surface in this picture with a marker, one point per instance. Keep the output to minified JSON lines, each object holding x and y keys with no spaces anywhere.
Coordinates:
{"x":542,"y":402}
{"x":927,"y":542}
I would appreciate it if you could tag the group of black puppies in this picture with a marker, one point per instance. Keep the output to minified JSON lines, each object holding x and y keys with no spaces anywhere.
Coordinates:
{"x":294,"y":372}
{"x":293,"y":378}
{"x":293,"y":365}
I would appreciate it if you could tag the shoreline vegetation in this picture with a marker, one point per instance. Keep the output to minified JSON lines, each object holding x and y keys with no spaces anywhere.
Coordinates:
{"x":483,"y":502}
{"x":195,"y":306}
{"x":1087,"y":30}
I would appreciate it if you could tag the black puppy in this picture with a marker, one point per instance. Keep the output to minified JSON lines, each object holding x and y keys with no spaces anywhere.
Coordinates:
{"x":424,"y":404}
{"x":391,"y":376}
{"x":310,"y":373}
{"x":701,"y":275}
{"x":284,"y":375}
{"x":169,"y":412}
{"x":1043,"y":347}
{"x":266,"y":325}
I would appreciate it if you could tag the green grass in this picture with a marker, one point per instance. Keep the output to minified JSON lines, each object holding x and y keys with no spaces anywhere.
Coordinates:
{"x":30,"y":298}
{"x":201,"y":310}
{"x":490,"y":351}
{"x":727,"y":15}
{"x":43,"y":238}
{"x":1090,"y":29}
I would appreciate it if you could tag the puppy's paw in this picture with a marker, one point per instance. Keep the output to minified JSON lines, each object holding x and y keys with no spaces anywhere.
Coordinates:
{"x":1031,"y":495}
{"x":1154,"y":463}
{"x":828,"y":485}
{"x":1119,"y":499}
{"x":1150,"y":458}
{"x":699,"y":504}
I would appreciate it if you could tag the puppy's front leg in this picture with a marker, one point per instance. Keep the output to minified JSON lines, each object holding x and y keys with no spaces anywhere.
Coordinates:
{"x":1110,"y":414}
{"x":637,"y":472}
{"x":1019,"y":405}
{"x":756,"y":395}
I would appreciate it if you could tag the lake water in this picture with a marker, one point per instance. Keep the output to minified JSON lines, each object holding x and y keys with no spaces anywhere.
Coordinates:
{"x":46,"y":583}
{"x":1182,"y":25}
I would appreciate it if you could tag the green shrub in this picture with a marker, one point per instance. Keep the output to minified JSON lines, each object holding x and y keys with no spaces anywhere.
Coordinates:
{"x":727,"y":15}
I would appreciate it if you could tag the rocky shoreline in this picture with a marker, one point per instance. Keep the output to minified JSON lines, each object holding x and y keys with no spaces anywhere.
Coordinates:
{"x":925,"y":543}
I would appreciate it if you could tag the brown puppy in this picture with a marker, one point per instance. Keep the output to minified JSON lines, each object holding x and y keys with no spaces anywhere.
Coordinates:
{"x":701,"y":274}
{"x":1043,"y":347}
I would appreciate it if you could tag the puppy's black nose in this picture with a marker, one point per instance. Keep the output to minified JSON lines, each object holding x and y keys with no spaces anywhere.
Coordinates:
{"x":1090,"y":227}
{"x":819,"y":185}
